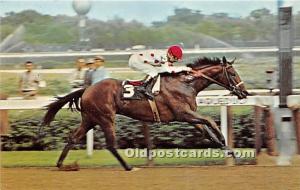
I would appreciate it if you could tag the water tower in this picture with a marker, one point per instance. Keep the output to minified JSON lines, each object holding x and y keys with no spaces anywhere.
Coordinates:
{"x":82,"y":7}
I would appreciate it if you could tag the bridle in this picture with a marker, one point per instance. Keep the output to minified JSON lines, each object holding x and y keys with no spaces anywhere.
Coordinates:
{"x":233,"y":87}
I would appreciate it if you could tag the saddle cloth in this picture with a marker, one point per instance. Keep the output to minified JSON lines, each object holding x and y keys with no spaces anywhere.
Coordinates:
{"x":130,"y":89}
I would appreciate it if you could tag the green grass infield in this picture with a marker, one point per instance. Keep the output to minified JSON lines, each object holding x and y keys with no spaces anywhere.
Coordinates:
{"x":135,"y":157}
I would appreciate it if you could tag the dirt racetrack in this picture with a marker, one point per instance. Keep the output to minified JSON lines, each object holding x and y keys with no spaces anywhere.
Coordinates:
{"x":194,"y":178}
{"x":264,"y":176}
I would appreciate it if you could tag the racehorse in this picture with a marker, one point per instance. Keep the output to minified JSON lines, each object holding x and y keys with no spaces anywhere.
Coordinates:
{"x":176,"y":101}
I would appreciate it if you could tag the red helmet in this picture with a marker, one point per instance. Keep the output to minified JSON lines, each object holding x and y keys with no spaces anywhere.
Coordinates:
{"x":175,"y":51}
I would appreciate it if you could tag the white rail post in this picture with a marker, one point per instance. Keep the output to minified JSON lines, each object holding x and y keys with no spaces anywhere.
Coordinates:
{"x":90,"y":142}
{"x":224,"y":129}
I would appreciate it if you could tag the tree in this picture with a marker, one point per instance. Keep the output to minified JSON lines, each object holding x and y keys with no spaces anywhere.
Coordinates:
{"x":260,"y":14}
{"x":220,"y":15}
{"x":184,"y":15}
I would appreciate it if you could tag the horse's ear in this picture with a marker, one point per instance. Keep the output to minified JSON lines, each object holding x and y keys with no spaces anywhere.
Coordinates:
{"x":224,"y":61}
{"x":231,"y":62}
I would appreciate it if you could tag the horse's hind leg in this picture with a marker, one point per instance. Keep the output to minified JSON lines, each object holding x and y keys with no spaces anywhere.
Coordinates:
{"x":75,"y":136}
{"x":108,"y":128}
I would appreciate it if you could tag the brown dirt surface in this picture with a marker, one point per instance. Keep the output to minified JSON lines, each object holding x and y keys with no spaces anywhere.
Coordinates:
{"x":194,"y":178}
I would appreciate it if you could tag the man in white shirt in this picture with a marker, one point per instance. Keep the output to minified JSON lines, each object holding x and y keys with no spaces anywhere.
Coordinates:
{"x":153,"y":62}
{"x":29,"y":81}
{"x":88,"y":73}
{"x":77,"y":79}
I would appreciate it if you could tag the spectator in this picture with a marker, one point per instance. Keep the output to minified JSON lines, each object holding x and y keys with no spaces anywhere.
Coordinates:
{"x":29,"y":82}
{"x":100,"y":72}
{"x":88,"y":73}
{"x":77,"y":80}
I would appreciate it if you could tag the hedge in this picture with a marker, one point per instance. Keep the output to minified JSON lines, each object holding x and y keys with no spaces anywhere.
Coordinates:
{"x":24,"y":134}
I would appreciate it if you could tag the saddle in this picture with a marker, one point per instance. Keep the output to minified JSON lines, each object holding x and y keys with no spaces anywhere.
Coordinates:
{"x":134,"y":82}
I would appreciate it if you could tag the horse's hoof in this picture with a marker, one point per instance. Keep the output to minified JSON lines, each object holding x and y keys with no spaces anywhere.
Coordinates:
{"x":71,"y":167}
{"x":135,"y":169}
{"x":128,"y":168}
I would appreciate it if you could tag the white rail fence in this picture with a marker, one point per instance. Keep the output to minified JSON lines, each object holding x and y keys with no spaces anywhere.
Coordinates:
{"x":186,"y":51}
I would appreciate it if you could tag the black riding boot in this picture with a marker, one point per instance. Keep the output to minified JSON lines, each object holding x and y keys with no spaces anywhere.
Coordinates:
{"x":147,"y":86}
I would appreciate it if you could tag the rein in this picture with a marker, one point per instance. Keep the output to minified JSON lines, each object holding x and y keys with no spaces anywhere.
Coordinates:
{"x":212,"y":80}
{"x":232,"y":87}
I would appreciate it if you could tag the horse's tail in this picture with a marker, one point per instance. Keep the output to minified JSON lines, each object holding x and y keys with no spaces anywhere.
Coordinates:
{"x":53,"y":108}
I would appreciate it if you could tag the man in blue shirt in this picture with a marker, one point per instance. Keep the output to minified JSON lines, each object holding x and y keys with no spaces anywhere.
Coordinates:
{"x":99,"y":73}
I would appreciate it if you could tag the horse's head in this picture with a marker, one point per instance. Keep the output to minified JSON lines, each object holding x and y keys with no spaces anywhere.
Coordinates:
{"x":220,"y":72}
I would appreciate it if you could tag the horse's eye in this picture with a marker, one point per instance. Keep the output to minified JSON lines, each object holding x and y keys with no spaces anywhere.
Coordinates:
{"x":233,"y":74}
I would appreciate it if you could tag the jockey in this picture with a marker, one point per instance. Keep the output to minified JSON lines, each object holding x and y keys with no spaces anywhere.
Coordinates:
{"x":153,"y":62}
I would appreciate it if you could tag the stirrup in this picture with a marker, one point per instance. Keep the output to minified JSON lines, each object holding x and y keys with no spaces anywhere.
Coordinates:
{"x":149,"y":95}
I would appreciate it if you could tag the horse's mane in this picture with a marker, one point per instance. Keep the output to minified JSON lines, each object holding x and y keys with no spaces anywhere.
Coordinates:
{"x":204,"y":61}
{"x":199,"y":62}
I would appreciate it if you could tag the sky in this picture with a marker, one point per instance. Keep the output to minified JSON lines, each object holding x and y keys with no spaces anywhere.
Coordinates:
{"x":143,"y":11}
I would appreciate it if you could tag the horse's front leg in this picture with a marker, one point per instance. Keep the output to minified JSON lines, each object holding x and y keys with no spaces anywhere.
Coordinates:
{"x":208,"y":125}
